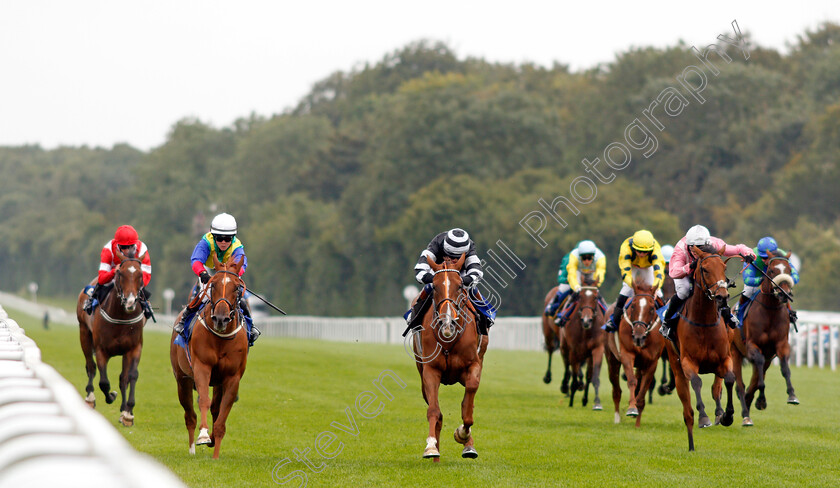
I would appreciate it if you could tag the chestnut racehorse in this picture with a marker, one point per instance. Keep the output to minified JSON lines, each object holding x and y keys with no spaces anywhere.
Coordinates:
{"x":115,"y":328}
{"x":448,"y":349}
{"x":218,"y":351}
{"x":639,"y":348}
{"x":581,"y":342}
{"x":766,"y":328}
{"x":550,"y":332}
{"x":703,"y":341}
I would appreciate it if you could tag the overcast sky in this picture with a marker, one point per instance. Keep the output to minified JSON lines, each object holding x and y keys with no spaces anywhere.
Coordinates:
{"x":86,"y":72}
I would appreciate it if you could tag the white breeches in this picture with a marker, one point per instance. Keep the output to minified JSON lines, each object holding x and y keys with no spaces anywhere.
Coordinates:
{"x":750,"y":291}
{"x":647,"y":277}
{"x":683,"y":286}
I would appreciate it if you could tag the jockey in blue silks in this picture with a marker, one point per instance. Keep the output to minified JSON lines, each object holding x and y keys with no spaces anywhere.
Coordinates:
{"x":753,"y":275}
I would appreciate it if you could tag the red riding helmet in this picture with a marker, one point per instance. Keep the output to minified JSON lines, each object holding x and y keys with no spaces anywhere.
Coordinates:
{"x":126,"y":235}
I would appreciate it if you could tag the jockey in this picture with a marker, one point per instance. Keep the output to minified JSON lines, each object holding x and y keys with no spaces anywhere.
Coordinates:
{"x":682,"y":267}
{"x":129,"y":244}
{"x":451,"y":244}
{"x":585,"y":258}
{"x":639,"y":255}
{"x":752,"y":276}
{"x":222,"y":241}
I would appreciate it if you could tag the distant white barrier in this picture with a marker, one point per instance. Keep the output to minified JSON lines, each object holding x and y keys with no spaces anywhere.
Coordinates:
{"x":50,"y":438}
{"x":817,"y":342}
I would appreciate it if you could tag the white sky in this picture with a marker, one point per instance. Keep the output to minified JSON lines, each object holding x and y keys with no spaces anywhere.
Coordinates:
{"x":78,"y":72}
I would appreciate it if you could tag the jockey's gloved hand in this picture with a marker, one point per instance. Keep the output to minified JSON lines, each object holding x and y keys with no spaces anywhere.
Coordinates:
{"x":749,"y":258}
{"x":468,"y":280}
{"x":427,"y":278}
{"x":204,"y":277}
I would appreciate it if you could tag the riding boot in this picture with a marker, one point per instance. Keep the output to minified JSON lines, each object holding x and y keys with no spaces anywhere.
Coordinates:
{"x":668,"y":328}
{"x":728,"y":318}
{"x":185,"y":315}
{"x":254,"y":333}
{"x":144,"y":302}
{"x":564,"y":315}
{"x":92,"y":299}
{"x":792,"y":315}
{"x":552,"y":307}
{"x":612,"y":324}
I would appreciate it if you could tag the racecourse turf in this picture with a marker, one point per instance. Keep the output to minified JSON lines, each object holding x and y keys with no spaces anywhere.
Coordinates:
{"x":526,"y":435}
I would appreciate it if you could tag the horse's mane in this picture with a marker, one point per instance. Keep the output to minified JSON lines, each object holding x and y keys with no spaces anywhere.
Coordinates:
{"x":708,"y":248}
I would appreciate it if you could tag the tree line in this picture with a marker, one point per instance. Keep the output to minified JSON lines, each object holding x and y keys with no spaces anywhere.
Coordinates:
{"x":336,"y":198}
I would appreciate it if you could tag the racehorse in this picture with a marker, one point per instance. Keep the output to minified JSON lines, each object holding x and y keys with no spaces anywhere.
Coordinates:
{"x":218,"y":351}
{"x":448,"y":349}
{"x":765,"y":330}
{"x":666,"y":386}
{"x":702,"y":344}
{"x":583,"y":341}
{"x":639,"y":349}
{"x":550,"y":332}
{"x":115,"y":328}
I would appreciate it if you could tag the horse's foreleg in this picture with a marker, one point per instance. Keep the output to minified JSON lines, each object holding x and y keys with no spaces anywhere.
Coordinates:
{"x":627,"y":360}
{"x":104,"y":383}
{"x":462,"y":433}
{"x":431,"y":385}
{"x":221,"y":409}
{"x":729,"y":381}
{"x":783,"y":352}
{"x":645,"y":385}
{"x":201,"y":374}
{"x":697,"y":386}
{"x":587,"y":382}
{"x":757,"y":384}
{"x":597,"y":360}
{"x":128,"y":378}
{"x":737,"y":368}
{"x":86,"y":339}
{"x":613,"y":370}
{"x":185,"y":397}
{"x":547,"y":376}
{"x":682,"y":392}
{"x":717,"y":389}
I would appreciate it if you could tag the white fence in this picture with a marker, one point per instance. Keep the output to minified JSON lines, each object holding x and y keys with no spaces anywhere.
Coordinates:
{"x":50,"y":438}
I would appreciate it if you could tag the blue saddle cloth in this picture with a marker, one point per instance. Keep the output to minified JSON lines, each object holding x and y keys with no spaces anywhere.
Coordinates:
{"x":483,"y":306}
{"x":661,"y":311}
{"x":188,"y":328}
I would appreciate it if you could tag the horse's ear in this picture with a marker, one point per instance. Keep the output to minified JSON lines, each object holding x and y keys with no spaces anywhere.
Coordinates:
{"x":435,"y":266}
{"x":460,"y":263}
{"x":120,"y":255}
{"x":722,"y":248}
{"x":237,"y":265}
{"x":697,"y":251}
{"x":216,"y":264}
{"x":787,"y":256}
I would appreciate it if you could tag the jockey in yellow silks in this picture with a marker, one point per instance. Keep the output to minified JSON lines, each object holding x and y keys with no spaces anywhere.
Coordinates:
{"x":639,"y":256}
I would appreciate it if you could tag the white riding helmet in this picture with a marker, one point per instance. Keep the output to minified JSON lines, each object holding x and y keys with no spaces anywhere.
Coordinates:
{"x":698,"y":236}
{"x":667,"y":251}
{"x":223,"y":224}
{"x":587,"y":247}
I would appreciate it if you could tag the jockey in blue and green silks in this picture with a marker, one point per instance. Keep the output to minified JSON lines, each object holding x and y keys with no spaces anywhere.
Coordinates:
{"x":753,"y":275}
{"x":221,"y":241}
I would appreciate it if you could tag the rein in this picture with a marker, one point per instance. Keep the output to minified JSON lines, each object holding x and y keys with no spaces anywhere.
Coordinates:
{"x":709,"y":292}
{"x":648,"y":325}
{"x":234,"y":313}
{"x":459,"y":329}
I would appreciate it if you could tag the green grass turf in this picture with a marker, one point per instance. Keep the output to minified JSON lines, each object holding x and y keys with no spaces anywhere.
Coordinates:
{"x":525,"y":433}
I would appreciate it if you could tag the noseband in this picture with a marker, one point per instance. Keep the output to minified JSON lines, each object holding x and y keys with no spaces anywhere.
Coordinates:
{"x":640,"y":323}
{"x":457,"y":306}
{"x":118,"y":281}
{"x":233,"y":308}
{"x":710,"y":291}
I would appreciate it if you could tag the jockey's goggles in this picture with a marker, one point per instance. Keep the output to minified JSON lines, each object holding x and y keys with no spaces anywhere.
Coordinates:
{"x":587,"y":257}
{"x":222,"y":237}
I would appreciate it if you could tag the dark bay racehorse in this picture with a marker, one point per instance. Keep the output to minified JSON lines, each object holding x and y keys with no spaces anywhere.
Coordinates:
{"x":551,"y":332}
{"x":448,"y":349}
{"x":581,"y":342}
{"x":115,"y":328}
{"x":766,"y":328}
{"x":639,"y":348}
{"x":703,"y":340}
{"x":218,"y":351}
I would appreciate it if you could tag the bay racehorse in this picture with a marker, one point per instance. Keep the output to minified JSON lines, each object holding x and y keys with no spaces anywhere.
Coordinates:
{"x":703,"y":341}
{"x":448,"y":349}
{"x":765,"y":334}
{"x":551,"y":333}
{"x":581,"y":342}
{"x":639,"y":348}
{"x":215,"y":356}
{"x":115,"y":328}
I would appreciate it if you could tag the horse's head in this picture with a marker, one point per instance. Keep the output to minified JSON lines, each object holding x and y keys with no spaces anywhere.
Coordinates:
{"x":641,"y":315}
{"x":588,"y":300}
{"x":447,"y":297}
{"x":128,"y":280}
{"x":710,"y":274}
{"x":225,"y":288}
{"x":779,"y":270}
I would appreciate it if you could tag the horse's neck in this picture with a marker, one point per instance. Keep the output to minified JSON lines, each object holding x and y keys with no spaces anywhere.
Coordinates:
{"x":699,"y":308}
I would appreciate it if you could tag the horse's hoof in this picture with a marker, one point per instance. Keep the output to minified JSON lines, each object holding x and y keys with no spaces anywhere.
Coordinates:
{"x":792,"y":400}
{"x":761,"y":404}
{"x":597,"y":406}
{"x":192,"y":449}
{"x":127,"y":419}
{"x":547,"y":378}
{"x":617,"y":418}
{"x":747,"y":422}
{"x":462,"y":435}
{"x":704,"y":422}
{"x":203,"y":438}
{"x":109,"y":398}
{"x":717,"y":419}
{"x":90,"y":399}
{"x":564,"y":389}
{"x":469,"y":452}
{"x":727,"y":419}
{"x":632,"y":412}
{"x":431,"y":452}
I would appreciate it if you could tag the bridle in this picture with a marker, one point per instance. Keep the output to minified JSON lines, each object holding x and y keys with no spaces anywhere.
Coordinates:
{"x":234,"y":310}
{"x":711,"y":291}
{"x":648,"y":326}
{"x":118,"y":281}
{"x":443,"y":333}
